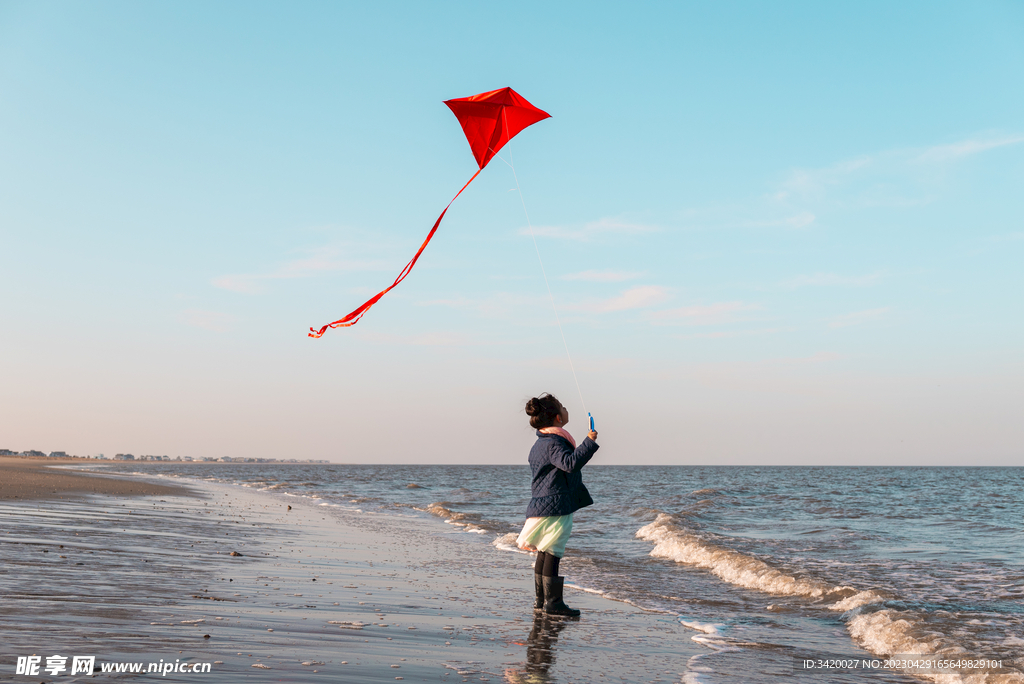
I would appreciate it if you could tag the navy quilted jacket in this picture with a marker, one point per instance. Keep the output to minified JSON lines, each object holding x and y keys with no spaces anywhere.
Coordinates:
{"x":557,"y":481}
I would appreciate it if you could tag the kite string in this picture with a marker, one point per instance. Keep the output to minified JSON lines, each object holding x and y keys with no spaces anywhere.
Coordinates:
{"x":546,"y":283}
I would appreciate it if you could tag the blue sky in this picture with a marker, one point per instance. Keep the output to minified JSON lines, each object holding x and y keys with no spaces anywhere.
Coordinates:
{"x":777,"y":233}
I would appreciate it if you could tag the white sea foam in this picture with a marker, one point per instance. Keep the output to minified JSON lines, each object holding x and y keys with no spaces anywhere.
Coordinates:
{"x":861,"y":598}
{"x":886,"y":632}
{"x":695,"y":672}
{"x":711,"y":636}
{"x":507,"y":542}
{"x":734,"y":567}
{"x":715,"y":642}
{"x":882,"y":632}
{"x":589,"y":590}
{"x":706,"y":627}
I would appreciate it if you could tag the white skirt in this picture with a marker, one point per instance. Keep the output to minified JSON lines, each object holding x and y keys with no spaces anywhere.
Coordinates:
{"x":547,"y":534}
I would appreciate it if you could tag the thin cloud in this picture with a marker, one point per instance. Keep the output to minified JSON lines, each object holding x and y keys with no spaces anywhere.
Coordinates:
{"x":831,"y":280}
{"x":602,"y":276}
{"x":966,"y":148}
{"x":801,"y":220}
{"x":319,"y":260}
{"x":431,"y":339}
{"x":878,"y":178}
{"x":589,"y":231}
{"x":500,"y":305}
{"x":723,"y":334}
{"x":215,"y":321}
{"x":641,"y":297}
{"x":805,"y":197}
{"x":711,"y":314}
{"x":857,"y":317}
{"x":802,"y":182}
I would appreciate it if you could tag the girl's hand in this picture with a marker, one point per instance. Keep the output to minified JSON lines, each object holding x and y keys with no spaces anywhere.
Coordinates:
{"x":592,"y":435}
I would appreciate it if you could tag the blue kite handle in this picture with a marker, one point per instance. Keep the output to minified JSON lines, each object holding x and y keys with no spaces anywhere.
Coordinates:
{"x":591,"y":422}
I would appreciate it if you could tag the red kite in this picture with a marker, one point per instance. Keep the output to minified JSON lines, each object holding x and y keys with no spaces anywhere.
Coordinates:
{"x":489,"y":121}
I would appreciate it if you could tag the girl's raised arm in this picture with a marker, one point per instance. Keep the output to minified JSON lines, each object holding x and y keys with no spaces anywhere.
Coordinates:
{"x":573,"y":461}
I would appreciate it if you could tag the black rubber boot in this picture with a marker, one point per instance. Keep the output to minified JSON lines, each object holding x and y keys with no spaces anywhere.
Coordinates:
{"x":538,"y":585}
{"x":553,"y":603}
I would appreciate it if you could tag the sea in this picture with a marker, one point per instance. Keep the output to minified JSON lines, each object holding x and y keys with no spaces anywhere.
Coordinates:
{"x":816,"y":574}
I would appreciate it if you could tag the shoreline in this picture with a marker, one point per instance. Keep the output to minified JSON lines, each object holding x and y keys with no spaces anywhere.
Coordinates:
{"x":29,"y":478}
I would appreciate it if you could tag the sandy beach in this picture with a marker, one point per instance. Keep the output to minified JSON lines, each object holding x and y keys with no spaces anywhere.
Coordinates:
{"x":33,"y":478}
{"x":224,"y":575}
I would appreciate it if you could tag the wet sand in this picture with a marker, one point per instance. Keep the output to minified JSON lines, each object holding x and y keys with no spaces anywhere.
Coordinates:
{"x":317,"y":592}
{"x":31,"y":478}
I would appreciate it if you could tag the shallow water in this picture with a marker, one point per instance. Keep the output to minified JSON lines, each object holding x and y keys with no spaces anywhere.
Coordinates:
{"x":764,"y":565}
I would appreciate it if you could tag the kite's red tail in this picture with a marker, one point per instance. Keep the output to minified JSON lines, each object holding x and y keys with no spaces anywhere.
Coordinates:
{"x":353,"y":318}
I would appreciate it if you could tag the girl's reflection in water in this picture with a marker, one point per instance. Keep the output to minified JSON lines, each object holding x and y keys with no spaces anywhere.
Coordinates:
{"x":540,"y":650}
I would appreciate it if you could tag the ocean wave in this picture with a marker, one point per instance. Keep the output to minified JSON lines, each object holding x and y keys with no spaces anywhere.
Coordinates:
{"x":468,"y":521}
{"x":642,"y":512}
{"x":882,"y":632}
{"x":861,"y":598}
{"x":283,"y":485}
{"x":705,"y":492}
{"x":674,"y":543}
{"x":706,"y":627}
{"x":437,"y":508}
{"x":507,"y":542}
{"x":887,"y":632}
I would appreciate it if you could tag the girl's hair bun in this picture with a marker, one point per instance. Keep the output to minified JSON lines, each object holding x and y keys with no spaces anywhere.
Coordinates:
{"x":543,"y":410}
{"x":533,"y":407}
